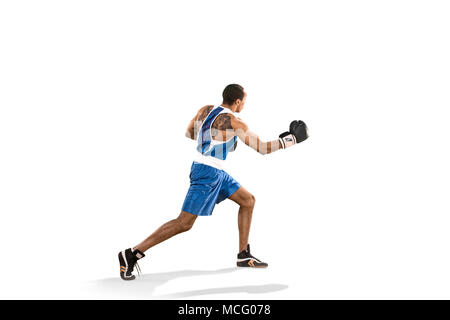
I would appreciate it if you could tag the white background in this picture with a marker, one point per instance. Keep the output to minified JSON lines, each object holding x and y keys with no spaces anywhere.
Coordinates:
{"x":95,"y":97}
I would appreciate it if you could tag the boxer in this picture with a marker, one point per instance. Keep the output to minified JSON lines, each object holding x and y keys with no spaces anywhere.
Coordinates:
{"x":216,"y":129}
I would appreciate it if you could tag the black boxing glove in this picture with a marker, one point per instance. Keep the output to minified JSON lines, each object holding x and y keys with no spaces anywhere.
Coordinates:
{"x":299,"y":129}
{"x":298,"y":132}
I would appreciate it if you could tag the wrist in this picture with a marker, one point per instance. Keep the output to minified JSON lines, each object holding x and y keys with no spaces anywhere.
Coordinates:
{"x":287,"y":140}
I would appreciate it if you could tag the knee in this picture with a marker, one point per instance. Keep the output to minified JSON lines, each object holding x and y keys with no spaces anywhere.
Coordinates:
{"x":184,"y":224}
{"x":249,"y":202}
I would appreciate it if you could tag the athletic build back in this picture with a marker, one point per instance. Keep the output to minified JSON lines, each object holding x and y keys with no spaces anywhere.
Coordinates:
{"x":213,"y":152}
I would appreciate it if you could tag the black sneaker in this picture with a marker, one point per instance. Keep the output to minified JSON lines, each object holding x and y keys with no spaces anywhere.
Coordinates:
{"x":128,"y":259}
{"x":245,"y":259}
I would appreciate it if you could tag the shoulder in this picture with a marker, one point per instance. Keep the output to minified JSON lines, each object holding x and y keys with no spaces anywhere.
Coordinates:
{"x":203,"y":112}
{"x":238,"y":123}
{"x":208,"y":108}
{"x":229,"y":121}
{"x":223,"y":121}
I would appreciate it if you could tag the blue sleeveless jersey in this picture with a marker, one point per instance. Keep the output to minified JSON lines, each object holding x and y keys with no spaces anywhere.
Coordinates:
{"x":213,"y":148}
{"x":210,"y":184}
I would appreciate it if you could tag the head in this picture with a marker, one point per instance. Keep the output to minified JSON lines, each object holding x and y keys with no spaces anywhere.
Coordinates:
{"x":234,"y":97}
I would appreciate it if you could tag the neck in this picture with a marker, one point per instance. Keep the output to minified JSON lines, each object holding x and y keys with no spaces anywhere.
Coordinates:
{"x":232,"y":108}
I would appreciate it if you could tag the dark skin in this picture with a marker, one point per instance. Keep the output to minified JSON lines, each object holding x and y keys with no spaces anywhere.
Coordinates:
{"x":224,"y":127}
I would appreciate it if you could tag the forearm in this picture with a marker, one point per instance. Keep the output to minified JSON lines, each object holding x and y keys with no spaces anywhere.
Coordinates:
{"x":269,"y":147}
{"x":262,"y":147}
{"x":297,"y":133}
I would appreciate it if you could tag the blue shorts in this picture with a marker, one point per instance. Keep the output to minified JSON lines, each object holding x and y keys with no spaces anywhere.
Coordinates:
{"x":208,"y":187}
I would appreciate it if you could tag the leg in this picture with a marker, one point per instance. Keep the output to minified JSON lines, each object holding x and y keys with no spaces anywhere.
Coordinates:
{"x":183,"y":223}
{"x":246,"y":202}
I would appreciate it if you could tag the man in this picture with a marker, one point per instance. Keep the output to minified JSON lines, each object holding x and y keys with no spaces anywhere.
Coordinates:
{"x":216,"y":129}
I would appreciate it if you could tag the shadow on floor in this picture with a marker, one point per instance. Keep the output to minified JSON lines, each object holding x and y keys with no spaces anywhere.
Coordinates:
{"x":264,"y":288}
{"x":147,"y":284}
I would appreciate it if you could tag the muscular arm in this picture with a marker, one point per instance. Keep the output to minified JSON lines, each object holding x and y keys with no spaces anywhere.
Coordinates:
{"x":191,"y":131}
{"x":252,"y":140}
{"x":226,"y":126}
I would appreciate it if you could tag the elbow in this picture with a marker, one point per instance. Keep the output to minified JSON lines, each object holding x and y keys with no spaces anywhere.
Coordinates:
{"x":189,"y":135}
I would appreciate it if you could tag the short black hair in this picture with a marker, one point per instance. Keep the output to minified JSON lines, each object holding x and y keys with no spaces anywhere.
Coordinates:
{"x":231,"y":93}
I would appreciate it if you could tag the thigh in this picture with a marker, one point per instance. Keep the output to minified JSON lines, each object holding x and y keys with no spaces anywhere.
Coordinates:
{"x":241,"y":196}
{"x":203,"y":191}
{"x":228,"y":187}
